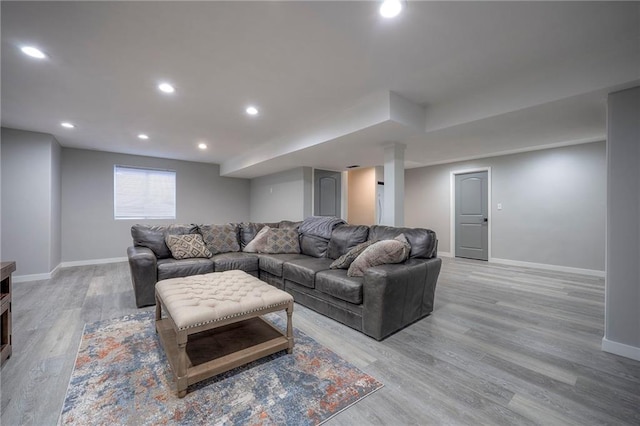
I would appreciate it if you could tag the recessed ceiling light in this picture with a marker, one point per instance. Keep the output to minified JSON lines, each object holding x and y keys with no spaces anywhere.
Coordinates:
{"x":390,"y":8}
{"x":143,"y":136}
{"x":251,"y":110}
{"x":67,"y":125}
{"x":33,"y":52}
{"x":202,"y":145}
{"x":166,"y":88}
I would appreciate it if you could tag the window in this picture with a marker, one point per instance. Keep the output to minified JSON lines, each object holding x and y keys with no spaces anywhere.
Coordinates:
{"x":144,"y":193}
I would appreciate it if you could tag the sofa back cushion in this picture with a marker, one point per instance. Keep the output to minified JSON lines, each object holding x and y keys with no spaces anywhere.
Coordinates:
{"x":423,"y":241}
{"x":314,"y":246}
{"x":153,"y":236}
{"x":220,"y":238}
{"x":287,"y":224}
{"x":344,"y":238}
{"x":249,"y":230}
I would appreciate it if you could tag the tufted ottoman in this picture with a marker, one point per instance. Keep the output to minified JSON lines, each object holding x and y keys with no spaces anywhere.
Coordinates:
{"x":213,"y":323}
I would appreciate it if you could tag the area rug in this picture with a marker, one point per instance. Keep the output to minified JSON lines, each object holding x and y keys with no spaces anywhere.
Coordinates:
{"x":122,"y":376}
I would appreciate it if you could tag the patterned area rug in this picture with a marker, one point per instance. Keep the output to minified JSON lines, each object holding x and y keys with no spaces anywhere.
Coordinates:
{"x":122,"y":376}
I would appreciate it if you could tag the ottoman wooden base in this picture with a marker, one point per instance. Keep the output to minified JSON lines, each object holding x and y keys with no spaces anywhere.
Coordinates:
{"x":205,"y":350}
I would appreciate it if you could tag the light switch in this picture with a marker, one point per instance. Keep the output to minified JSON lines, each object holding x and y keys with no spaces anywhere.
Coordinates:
{"x":499,"y":206}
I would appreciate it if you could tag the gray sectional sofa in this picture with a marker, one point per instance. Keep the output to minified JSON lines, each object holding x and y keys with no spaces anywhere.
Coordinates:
{"x":386,"y":299}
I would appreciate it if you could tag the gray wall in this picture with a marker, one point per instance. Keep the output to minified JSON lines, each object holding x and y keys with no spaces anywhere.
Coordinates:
{"x":281,"y":196}
{"x":553,"y":204}
{"x":622,"y":303}
{"x":88,"y":227}
{"x":30,"y":216}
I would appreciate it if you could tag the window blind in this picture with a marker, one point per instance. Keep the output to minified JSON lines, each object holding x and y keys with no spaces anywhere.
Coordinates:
{"x":141,"y":193}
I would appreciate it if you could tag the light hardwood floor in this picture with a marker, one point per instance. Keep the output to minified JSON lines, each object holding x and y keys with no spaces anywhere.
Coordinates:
{"x":504,"y":345}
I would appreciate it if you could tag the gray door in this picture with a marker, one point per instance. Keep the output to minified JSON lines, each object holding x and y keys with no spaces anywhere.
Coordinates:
{"x":327,"y":193}
{"x":472,"y":216}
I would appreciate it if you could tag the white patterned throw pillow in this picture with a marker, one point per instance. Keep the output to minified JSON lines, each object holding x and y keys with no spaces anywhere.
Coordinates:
{"x":187,"y":246}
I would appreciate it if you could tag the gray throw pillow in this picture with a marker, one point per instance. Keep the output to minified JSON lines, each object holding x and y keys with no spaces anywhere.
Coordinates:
{"x":187,"y":246}
{"x":257,"y":244}
{"x":344,"y":261}
{"x":281,"y":241}
{"x":380,"y":253}
{"x":220,"y":238}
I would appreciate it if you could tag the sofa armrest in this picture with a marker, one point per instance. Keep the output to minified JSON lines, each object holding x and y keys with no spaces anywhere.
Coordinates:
{"x":398,"y":294}
{"x":144,"y":274}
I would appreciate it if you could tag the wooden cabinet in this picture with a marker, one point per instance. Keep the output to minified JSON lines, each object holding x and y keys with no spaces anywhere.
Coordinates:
{"x":6,"y":269}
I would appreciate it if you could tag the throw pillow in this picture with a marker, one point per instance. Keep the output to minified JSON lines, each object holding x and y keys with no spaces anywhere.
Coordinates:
{"x":281,"y":241}
{"x":380,"y":253}
{"x":220,"y":238}
{"x":258,"y":242}
{"x":344,"y":261}
{"x":187,"y":246}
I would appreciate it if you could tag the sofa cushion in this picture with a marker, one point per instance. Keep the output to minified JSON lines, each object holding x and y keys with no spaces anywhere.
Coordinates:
{"x":303,"y":271}
{"x":320,"y":226}
{"x":249,"y":230}
{"x":152,"y":236}
{"x":337,"y":284}
{"x":287,"y":224}
{"x":172,"y":268}
{"x":344,"y":238}
{"x":235,"y":260}
{"x":272,"y":263}
{"x":220,"y":238}
{"x":258,"y":243}
{"x":422,"y":241}
{"x":380,"y":253}
{"x":281,"y":241}
{"x":312,"y":245}
{"x":187,"y":246}
{"x":344,"y":261}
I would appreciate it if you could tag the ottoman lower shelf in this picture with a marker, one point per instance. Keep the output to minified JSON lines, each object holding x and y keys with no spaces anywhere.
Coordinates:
{"x":215,"y":351}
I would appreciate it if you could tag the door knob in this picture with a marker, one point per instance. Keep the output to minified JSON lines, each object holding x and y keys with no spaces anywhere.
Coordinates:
{"x":486,"y":219}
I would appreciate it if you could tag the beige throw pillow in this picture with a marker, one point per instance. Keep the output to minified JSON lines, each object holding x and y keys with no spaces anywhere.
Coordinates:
{"x":344,"y":261}
{"x":380,"y":253}
{"x":281,"y":241}
{"x":187,"y":246}
{"x":220,"y":238}
{"x":259,"y":241}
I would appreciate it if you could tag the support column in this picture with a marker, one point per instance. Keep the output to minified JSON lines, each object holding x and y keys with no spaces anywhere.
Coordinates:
{"x":394,"y":185}
{"x":622,"y":285}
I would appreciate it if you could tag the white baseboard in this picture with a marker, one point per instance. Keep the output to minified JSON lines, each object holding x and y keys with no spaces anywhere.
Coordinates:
{"x":35,"y":277}
{"x":93,"y":262}
{"x":444,"y":254}
{"x":568,"y":269}
{"x":621,"y":349}
{"x":49,"y":275}
{"x":55,"y":270}
{"x":31,"y":277}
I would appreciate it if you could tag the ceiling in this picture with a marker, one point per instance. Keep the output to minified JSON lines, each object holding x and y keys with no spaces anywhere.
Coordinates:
{"x":334,"y":81}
